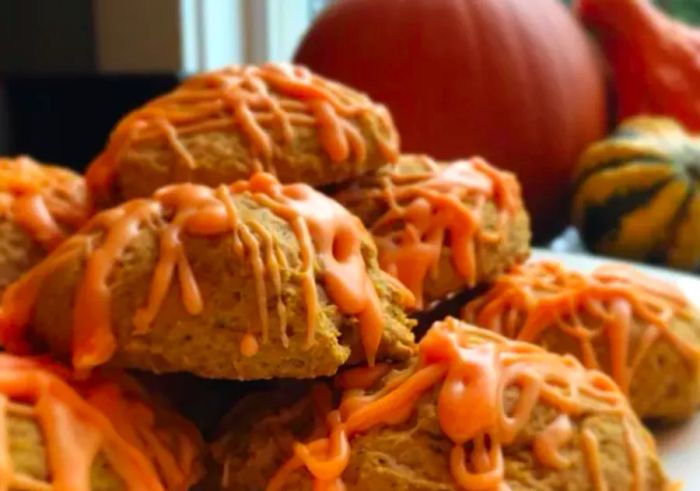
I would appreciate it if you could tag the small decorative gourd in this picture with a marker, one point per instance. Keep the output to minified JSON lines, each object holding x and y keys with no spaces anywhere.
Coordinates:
{"x":654,"y":58}
{"x":636,"y":193}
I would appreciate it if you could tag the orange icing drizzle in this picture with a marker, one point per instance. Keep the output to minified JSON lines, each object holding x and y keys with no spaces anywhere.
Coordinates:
{"x":319,"y":401}
{"x":471,"y":379}
{"x":324,"y":230}
{"x":42,"y":199}
{"x":75,"y":428}
{"x":548,"y":443}
{"x":589,"y":443}
{"x":536,"y":297}
{"x":265,"y":103}
{"x":426,"y":209}
{"x":360,"y":377}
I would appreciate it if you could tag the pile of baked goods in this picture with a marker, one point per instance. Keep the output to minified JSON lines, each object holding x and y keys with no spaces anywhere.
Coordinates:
{"x":259,"y":226}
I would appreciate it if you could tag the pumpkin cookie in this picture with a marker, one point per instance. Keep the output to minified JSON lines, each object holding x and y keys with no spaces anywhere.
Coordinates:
{"x":442,"y":227}
{"x":102,"y":434}
{"x":39,"y":206}
{"x":640,"y":330}
{"x":224,"y":125}
{"x":473,"y":411}
{"x":247,"y":281}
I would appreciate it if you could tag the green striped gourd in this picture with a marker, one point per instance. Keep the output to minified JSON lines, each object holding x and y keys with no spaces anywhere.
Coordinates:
{"x":636,"y":193}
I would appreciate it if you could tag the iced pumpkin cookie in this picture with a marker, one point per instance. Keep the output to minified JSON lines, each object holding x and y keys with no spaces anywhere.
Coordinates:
{"x":473,"y":411}
{"x":442,"y":227}
{"x":640,"y":330}
{"x":59,"y":433}
{"x":224,"y":125}
{"x":246,"y":281}
{"x":39,"y":206}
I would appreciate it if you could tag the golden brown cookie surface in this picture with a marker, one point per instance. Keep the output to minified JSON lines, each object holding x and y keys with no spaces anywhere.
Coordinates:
{"x":102,"y":433}
{"x":640,"y":330}
{"x":252,"y":280}
{"x":224,"y":125}
{"x":40,"y":205}
{"x":442,"y":227}
{"x":473,"y":411}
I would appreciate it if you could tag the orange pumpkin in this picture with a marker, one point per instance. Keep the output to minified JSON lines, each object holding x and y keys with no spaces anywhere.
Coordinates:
{"x":513,"y":80}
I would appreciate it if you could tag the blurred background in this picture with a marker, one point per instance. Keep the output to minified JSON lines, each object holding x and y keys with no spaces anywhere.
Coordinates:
{"x":73,"y":67}
{"x":687,"y":10}
{"x":70,"y":69}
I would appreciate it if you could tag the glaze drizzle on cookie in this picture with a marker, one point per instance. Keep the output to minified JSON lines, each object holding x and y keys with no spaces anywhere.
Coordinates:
{"x":470,"y":371}
{"x":428,"y":208}
{"x":266,"y":104}
{"x":329,"y":238}
{"x":596,"y":311}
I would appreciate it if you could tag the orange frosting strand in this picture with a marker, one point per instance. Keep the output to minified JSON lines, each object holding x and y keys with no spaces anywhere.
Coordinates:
{"x":548,"y":443}
{"x":19,"y":298}
{"x":534,"y":298}
{"x":423,"y":208}
{"x":245,"y":240}
{"x":223,"y":194}
{"x":256,"y":261}
{"x":362,"y":377}
{"x":634,"y":453}
{"x":489,"y":467}
{"x":71,"y":446}
{"x":93,"y":339}
{"x":31,"y":214}
{"x":42,"y":199}
{"x":472,"y":380}
{"x":251,"y":99}
{"x":74,"y":432}
{"x":171,"y":136}
{"x":323,"y":228}
{"x":330,"y":129}
{"x":591,"y":453}
{"x":171,"y":257}
{"x":170,"y":450}
{"x":387,"y":409}
{"x":619,"y":332}
{"x":337,"y":452}
{"x":272,"y":268}
{"x":626,"y":274}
